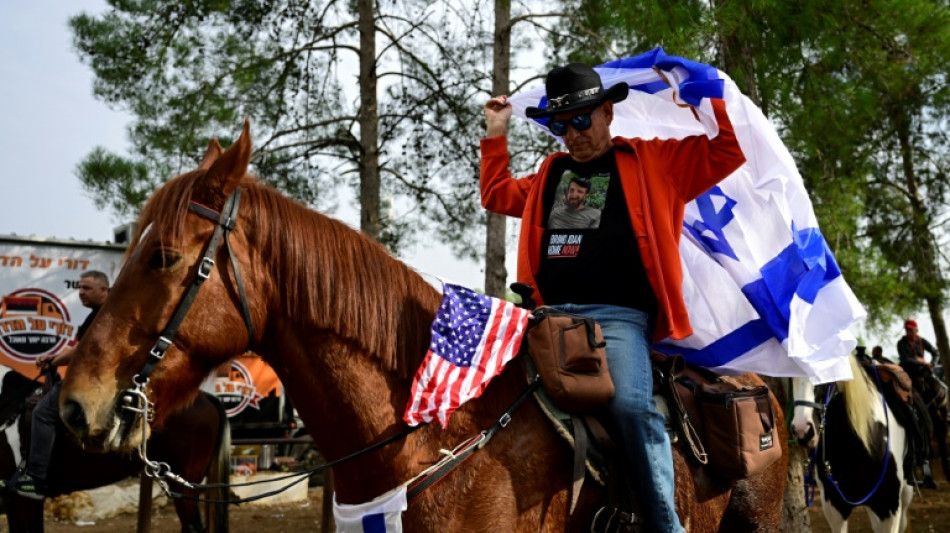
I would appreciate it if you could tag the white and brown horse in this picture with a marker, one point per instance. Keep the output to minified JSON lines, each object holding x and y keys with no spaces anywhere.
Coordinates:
{"x":858,"y":449}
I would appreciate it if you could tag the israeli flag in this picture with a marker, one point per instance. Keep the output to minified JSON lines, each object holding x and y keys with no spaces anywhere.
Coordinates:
{"x":380,"y":515}
{"x":762,"y":288}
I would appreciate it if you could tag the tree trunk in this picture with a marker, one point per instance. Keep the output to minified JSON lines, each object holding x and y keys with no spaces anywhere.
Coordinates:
{"x":925,"y":265}
{"x":369,"y":124}
{"x":794,"y":514}
{"x":795,"y":518}
{"x":935,"y":307}
{"x":495,"y":272}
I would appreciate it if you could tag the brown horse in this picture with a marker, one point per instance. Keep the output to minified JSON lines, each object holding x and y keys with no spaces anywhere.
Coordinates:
{"x":345,"y":326}
{"x":195,"y":443}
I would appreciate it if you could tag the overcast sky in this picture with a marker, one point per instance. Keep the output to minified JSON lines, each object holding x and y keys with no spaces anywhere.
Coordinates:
{"x":51,"y":121}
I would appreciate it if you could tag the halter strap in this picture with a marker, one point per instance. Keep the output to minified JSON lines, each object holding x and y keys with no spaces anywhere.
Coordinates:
{"x":228,"y":224}
{"x":225,"y":222}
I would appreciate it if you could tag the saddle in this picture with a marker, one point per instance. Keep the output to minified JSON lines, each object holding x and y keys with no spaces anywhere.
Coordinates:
{"x":894,"y":378}
{"x":910,"y":411}
{"x":690,"y":393}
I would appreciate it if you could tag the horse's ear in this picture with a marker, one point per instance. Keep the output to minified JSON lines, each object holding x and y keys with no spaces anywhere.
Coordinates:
{"x":226,"y":171}
{"x":211,"y":154}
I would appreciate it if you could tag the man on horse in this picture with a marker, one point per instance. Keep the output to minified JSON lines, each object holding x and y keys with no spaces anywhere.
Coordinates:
{"x":624,"y":272}
{"x":31,"y":482}
{"x":911,"y":348}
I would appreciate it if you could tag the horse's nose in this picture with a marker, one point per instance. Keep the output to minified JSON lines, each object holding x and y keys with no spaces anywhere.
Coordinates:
{"x":74,"y":417}
{"x":805,"y":438}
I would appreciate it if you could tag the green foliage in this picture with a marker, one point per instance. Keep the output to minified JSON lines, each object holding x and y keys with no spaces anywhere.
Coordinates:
{"x":115,"y":183}
{"x":844,"y":82}
{"x":192,"y":70}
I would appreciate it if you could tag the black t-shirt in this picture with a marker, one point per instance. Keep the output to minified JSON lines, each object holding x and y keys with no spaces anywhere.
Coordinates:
{"x":86,"y":323}
{"x":589,"y":251}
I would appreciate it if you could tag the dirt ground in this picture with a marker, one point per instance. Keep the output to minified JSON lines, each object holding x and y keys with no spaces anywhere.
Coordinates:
{"x":930,"y":512}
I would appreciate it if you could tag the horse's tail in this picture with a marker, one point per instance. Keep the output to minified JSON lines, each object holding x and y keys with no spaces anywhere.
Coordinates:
{"x":219,"y":472}
{"x":860,"y":399}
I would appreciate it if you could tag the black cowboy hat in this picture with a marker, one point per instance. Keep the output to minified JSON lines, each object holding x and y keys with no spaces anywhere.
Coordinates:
{"x":575,"y":86}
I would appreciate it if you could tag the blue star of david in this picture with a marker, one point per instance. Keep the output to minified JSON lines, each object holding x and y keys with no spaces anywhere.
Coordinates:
{"x":707,"y":229}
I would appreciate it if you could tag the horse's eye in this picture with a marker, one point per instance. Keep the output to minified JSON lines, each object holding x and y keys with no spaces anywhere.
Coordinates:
{"x":163,"y":259}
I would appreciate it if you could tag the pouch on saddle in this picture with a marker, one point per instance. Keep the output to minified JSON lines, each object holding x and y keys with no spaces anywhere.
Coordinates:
{"x":568,"y":352}
{"x":729,"y":427}
{"x":893,"y":377}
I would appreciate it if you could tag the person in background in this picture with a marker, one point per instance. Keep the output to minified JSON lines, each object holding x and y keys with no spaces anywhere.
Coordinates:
{"x":31,"y":481}
{"x":877,"y":354}
{"x":911,"y":347}
{"x":630,"y":262}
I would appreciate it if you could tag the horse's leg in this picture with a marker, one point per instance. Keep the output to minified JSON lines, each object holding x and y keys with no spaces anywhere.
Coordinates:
{"x":188,"y":514}
{"x":837,"y":522}
{"x":897,"y":522}
{"x":24,"y":515}
{"x":907,"y":495}
{"x":17,"y":514}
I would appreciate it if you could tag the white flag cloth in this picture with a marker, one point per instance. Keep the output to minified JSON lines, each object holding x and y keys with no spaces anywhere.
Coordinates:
{"x":763,"y":290}
{"x":381,"y":515}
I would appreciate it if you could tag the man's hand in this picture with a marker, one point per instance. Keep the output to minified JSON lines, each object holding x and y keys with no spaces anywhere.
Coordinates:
{"x":45,"y":361}
{"x":497,"y":116}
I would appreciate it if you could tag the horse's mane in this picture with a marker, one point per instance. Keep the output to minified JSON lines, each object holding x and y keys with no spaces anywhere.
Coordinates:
{"x":860,"y":400}
{"x":331,"y":276}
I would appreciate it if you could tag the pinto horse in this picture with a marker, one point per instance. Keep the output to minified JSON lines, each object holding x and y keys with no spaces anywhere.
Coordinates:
{"x":859,"y":454}
{"x":194,"y":441}
{"x":345,"y":326}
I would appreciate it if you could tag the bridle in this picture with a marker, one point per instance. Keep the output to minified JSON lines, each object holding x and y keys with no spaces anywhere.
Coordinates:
{"x":135,"y":400}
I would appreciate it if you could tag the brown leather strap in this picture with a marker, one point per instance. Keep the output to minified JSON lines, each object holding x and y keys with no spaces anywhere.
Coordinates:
{"x":670,"y":367}
{"x":765,"y":412}
{"x":600,"y":435}
{"x":689,"y":430}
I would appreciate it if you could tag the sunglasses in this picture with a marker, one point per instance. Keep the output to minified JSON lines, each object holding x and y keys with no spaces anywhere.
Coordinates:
{"x":579,"y":123}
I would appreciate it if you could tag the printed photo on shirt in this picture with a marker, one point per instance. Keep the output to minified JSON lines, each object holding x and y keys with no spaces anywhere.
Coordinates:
{"x":578,"y":201}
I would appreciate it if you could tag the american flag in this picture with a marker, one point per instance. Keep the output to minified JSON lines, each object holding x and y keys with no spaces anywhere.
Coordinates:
{"x":473,"y":337}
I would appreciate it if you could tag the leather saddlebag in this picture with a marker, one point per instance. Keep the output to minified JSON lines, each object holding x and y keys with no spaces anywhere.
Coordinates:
{"x":568,"y":352}
{"x":739,"y":429}
{"x":729,"y":427}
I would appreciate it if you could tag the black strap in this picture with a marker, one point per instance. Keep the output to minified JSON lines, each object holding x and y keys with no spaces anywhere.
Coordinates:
{"x":476,"y":443}
{"x":581,"y":444}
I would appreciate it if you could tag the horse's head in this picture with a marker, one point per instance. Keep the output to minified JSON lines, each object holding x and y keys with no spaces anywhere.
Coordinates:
{"x":803,"y":420}
{"x":124,"y":357}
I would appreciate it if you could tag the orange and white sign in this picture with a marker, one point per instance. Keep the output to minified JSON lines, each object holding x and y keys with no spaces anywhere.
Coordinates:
{"x":243,"y":382}
{"x":39,"y":295}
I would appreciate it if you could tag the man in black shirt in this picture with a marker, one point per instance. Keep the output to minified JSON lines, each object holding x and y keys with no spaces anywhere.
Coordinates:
{"x":624,"y":271}
{"x":93,"y":289}
{"x":911,"y":347}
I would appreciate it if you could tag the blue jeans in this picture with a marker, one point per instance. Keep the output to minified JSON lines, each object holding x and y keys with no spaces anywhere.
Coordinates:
{"x":43,"y":433}
{"x":642,"y":427}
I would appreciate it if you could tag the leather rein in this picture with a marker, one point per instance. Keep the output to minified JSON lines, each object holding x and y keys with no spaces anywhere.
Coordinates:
{"x":135,"y":400}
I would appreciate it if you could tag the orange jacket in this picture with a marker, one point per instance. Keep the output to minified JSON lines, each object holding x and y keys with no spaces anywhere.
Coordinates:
{"x":659,"y":178}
